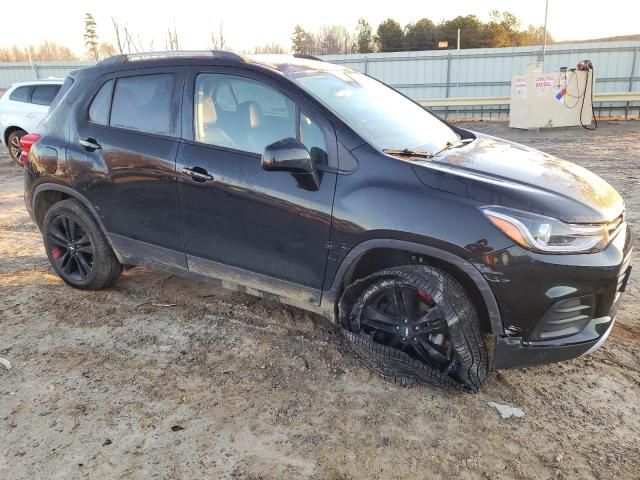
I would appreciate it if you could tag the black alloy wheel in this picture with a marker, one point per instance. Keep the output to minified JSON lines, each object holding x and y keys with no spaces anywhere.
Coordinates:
{"x":70,"y":248}
{"x":416,"y":324}
{"x":407,"y":318}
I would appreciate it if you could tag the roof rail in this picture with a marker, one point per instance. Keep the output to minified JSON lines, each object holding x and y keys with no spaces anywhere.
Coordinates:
{"x":307,"y":57}
{"x":134,"y":57}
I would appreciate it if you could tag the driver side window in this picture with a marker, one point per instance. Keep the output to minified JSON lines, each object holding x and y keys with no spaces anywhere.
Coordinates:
{"x":239,"y":113}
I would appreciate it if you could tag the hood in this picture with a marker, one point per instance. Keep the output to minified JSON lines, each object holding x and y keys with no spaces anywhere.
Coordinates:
{"x":498,"y":172}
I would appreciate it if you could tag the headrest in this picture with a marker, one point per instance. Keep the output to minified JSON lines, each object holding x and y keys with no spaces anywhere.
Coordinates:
{"x":207,"y":114}
{"x":252,"y":112}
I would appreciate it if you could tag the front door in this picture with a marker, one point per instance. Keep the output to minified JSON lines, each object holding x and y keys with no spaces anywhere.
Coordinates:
{"x":241,"y":223}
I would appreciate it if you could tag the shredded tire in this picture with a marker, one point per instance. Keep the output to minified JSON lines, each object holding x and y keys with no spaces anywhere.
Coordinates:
{"x":397,"y":366}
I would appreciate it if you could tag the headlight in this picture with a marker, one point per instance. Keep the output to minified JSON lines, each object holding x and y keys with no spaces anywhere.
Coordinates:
{"x":549,"y":235}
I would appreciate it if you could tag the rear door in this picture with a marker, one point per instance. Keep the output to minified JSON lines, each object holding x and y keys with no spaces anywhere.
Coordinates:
{"x":242,"y":223}
{"x":122,"y":158}
{"x":17,"y":109}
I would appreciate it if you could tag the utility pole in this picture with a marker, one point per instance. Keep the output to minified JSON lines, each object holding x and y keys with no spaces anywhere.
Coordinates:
{"x":33,"y":67}
{"x":544,"y":40}
{"x":458,"y":75}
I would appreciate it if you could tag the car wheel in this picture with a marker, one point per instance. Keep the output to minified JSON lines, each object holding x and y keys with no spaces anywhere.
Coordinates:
{"x":417,"y":324}
{"x":77,"y":248}
{"x":13,"y":143}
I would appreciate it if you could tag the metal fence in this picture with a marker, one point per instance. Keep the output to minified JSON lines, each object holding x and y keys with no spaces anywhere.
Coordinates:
{"x":487,"y":72}
{"x":23,"y":71}
{"x":472,"y":73}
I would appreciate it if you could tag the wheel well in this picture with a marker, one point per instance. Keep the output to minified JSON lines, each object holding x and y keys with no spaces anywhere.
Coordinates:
{"x":8,"y":132}
{"x":378,"y":259}
{"x":44,"y":201}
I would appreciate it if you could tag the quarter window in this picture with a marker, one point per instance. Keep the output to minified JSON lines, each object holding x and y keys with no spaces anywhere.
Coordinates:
{"x":143,"y":103}
{"x":44,"y":94}
{"x":239,"y":113}
{"x":99,"y":109}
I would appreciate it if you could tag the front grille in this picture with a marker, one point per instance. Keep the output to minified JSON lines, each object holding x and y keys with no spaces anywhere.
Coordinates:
{"x":565,"y":318}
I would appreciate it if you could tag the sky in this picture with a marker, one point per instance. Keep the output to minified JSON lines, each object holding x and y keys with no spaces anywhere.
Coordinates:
{"x":250,"y":24}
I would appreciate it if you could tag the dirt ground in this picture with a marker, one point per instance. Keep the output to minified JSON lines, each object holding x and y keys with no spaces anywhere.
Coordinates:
{"x":162,"y":377}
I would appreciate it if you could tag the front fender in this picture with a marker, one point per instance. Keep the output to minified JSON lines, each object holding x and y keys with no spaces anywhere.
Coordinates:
{"x":330,"y":296}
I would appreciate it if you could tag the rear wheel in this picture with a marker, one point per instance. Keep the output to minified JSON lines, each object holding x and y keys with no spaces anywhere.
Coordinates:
{"x":426,"y":322}
{"x":77,"y":248}
{"x":13,"y":143}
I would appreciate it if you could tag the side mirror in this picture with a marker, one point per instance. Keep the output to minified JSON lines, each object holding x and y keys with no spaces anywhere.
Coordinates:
{"x":288,"y":155}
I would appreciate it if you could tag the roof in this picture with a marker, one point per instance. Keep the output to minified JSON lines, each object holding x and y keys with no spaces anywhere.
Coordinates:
{"x":282,"y":63}
{"x":49,"y":81}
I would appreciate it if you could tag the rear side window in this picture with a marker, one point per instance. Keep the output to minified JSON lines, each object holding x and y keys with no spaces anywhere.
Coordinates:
{"x":143,"y":103}
{"x":44,"y":94}
{"x":21,"y":94}
{"x":99,"y":109}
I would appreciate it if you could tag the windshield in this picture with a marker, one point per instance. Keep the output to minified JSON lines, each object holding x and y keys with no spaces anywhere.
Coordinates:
{"x":379,"y":114}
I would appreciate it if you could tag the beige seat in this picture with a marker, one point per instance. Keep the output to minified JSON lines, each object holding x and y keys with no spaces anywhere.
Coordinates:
{"x":207,"y":129}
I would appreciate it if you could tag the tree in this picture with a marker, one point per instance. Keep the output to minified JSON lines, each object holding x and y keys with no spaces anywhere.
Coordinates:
{"x":270,"y":48}
{"x":364,"y":37}
{"x":421,"y":35}
{"x":120,"y":42}
{"x":303,"y":42}
{"x":218,"y":42}
{"x":472,"y":32}
{"x":106,"y":50}
{"x":90,"y":36}
{"x":535,"y":36}
{"x":503,"y":30}
{"x":172,"y":39}
{"x":47,"y":51}
{"x":390,"y":36}
{"x":334,"y":40}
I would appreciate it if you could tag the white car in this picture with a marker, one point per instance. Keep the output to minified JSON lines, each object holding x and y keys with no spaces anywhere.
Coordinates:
{"x":22,"y":106}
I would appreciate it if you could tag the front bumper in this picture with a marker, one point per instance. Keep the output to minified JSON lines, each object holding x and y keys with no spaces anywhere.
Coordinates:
{"x":556,"y":307}
{"x":513,"y":352}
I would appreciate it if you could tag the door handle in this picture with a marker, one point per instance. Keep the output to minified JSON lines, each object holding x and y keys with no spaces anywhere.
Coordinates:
{"x":198,"y":174}
{"x":30,"y":115}
{"x":90,"y":144}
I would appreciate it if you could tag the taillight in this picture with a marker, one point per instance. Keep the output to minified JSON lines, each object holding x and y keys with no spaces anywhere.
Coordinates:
{"x":26,"y":143}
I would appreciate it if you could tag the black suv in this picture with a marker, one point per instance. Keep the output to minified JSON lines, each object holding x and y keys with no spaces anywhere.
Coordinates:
{"x":434,"y":247}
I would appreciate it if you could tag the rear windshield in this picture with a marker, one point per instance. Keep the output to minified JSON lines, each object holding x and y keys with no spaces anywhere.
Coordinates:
{"x":44,"y":94}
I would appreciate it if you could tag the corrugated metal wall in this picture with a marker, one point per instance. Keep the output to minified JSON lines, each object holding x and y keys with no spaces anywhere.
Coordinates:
{"x":23,"y":71}
{"x":483,"y":72}
{"x":487,"y":72}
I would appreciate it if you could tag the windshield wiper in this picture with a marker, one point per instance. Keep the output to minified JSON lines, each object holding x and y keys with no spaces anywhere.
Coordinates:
{"x":450,"y":145}
{"x":407,"y":152}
